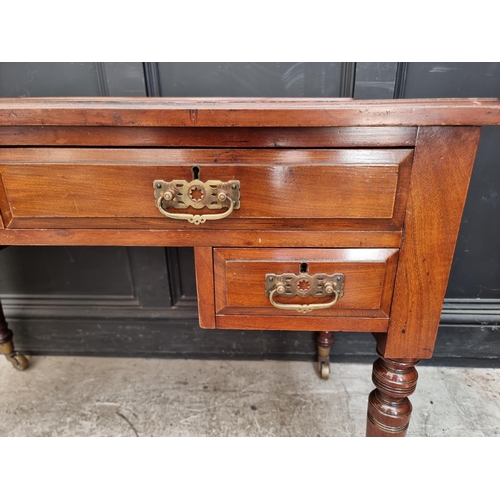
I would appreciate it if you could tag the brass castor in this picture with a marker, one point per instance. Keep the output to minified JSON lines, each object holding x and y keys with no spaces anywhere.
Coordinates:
{"x":324,"y":370}
{"x":324,"y":340}
{"x":18,"y":360}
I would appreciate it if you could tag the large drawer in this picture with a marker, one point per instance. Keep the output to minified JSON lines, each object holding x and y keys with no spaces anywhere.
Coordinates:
{"x":113,"y":188}
{"x":244,"y":280}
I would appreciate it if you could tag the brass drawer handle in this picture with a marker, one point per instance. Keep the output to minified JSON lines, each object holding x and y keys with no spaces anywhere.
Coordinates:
{"x":304,"y":285}
{"x":197,"y":194}
{"x":304,"y":308}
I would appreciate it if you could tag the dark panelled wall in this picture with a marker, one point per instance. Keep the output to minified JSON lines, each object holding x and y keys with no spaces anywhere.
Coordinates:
{"x":142,"y":301}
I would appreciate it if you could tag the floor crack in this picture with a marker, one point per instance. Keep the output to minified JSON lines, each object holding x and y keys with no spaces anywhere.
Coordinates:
{"x":129,"y":423}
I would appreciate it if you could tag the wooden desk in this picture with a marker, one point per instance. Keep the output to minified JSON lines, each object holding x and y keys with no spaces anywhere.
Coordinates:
{"x":311,"y":214}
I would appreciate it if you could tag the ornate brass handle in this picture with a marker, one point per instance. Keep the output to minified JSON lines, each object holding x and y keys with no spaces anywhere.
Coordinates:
{"x":197,"y":194}
{"x":304,"y":285}
{"x":194,"y":219}
{"x":302,"y":308}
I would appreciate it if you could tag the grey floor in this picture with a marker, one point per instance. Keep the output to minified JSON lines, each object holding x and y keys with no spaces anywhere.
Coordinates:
{"x":68,"y":396}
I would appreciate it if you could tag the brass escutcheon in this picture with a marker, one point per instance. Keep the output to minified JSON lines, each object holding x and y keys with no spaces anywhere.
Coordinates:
{"x":181,"y":194}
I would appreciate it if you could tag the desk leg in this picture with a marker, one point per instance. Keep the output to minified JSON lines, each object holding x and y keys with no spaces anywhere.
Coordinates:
{"x":19,"y":362}
{"x":389,"y":408}
{"x":325,"y":340}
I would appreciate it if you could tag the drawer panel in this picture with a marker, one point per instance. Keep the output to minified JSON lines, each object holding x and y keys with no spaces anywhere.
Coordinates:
{"x":240,"y":287}
{"x":82,"y":187}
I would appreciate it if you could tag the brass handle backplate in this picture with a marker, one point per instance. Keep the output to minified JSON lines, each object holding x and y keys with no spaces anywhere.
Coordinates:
{"x":181,"y":194}
{"x":289,"y":285}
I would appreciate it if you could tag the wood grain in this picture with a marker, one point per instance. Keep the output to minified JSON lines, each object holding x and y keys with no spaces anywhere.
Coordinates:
{"x":127,"y":192}
{"x":241,"y":137}
{"x":440,"y":177}
{"x":245,"y":112}
{"x":308,"y":184}
{"x":186,"y":156}
{"x":301,"y":323}
{"x":381,"y":226}
{"x":5,"y":212}
{"x":204,"y":268}
{"x":200,"y":237}
{"x":389,"y":409}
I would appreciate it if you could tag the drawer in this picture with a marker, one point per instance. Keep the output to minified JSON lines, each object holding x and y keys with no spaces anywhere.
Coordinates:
{"x":127,"y":188}
{"x":320,"y":289}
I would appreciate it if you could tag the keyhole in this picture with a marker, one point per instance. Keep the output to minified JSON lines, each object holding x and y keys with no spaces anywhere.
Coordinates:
{"x":196,"y":172}
{"x":303,"y":267}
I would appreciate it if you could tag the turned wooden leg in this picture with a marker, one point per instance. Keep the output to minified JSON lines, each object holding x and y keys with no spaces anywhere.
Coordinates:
{"x":389,"y":408}
{"x":7,"y":345}
{"x":325,"y":341}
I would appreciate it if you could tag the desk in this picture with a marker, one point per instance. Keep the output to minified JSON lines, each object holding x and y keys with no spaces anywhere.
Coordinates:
{"x":305,"y":214}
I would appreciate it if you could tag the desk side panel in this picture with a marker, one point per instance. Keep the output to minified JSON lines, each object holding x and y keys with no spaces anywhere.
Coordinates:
{"x":204,"y":267}
{"x":442,"y":166}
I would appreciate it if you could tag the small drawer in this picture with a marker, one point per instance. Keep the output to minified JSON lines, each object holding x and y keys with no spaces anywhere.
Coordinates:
{"x":303,"y":289}
{"x":182,"y":189}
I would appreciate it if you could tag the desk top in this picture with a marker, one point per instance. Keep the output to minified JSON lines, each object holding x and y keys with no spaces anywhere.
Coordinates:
{"x":245,"y":112}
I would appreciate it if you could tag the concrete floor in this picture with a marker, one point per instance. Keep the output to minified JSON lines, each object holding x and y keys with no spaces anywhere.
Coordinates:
{"x":69,"y":396}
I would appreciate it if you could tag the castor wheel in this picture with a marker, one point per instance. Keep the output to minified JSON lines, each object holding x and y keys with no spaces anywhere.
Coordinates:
{"x":324,"y":370}
{"x":324,"y":340}
{"x":18,"y":360}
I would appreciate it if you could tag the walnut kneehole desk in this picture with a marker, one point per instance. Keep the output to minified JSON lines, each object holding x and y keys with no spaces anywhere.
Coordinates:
{"x":305,"y":214}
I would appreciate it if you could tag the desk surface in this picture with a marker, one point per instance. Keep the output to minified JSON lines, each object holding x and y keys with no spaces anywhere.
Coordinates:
{"x":249,"y":112}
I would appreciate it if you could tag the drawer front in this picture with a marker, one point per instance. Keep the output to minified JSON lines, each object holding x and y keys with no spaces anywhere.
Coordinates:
{"x":242,"y":288}
{"x":114,"y":188}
